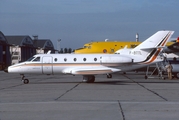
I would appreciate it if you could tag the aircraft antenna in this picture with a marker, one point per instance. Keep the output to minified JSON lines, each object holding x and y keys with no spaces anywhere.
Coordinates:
{"x":137,"y":37}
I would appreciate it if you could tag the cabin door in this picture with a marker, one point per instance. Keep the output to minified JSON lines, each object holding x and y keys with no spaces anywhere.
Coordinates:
{"x":47,"y":65}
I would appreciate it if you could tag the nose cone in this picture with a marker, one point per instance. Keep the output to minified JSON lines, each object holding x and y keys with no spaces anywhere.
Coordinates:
{"x":13,"y":69}
{"x":17,"y":68}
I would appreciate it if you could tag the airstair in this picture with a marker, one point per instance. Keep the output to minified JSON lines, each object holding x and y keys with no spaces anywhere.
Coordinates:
{"x":156,"y":70}
{"x":15,"y":54}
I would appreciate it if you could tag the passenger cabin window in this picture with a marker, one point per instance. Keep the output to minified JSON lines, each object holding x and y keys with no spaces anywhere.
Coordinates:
{"x":37,"y":59}
{"x":55,"y":59}
{"x":112,"y":50}
{"x":84,"y":59}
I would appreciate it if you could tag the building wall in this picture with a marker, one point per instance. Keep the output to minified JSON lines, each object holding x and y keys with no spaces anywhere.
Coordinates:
{"x":5,"y":59}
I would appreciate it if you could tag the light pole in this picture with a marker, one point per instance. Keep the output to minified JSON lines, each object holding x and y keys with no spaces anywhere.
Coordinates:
{"x":58,"y":45}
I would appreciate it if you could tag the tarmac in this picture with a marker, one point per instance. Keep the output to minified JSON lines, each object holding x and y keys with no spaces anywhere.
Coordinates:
{"x":65,"y":97}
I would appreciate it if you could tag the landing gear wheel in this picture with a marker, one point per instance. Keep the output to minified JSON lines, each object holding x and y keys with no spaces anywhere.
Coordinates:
{"x":146,"y":77}
{"x":26,"y":81}
{"x":89,"y":78}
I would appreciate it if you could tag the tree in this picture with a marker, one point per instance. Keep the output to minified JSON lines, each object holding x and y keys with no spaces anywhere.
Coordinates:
{"x":65,"y":50}
{"x":69,"y":50}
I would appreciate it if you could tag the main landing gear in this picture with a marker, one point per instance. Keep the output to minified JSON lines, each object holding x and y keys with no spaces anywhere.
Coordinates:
{"x":25,"y":81}
{"x":88,"y":78}
{"x":91,"y":78}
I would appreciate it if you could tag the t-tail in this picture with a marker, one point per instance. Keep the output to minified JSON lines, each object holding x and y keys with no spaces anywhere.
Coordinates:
{"x":148,"y":51}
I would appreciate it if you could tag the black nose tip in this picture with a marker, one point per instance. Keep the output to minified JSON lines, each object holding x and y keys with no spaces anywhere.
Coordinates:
{"x":6,"y":70}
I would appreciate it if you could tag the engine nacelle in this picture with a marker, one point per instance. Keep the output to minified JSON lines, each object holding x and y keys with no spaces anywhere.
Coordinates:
{"x":116,"y":59}
{"x":123,"y":51}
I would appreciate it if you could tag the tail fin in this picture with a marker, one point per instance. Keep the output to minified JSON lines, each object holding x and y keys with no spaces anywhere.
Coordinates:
{"x":148,"y":50}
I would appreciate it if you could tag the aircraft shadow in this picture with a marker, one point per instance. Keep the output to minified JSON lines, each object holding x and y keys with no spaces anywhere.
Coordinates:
{"x":119,"y":82}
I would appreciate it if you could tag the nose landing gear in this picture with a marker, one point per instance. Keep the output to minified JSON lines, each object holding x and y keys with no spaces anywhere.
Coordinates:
{"x":25,"y":81}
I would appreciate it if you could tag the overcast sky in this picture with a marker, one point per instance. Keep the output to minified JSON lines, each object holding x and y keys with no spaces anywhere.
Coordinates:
{"x":77,"y":22}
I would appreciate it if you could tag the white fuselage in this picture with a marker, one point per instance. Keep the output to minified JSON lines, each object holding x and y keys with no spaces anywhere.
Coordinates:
{"x":83,"y":64}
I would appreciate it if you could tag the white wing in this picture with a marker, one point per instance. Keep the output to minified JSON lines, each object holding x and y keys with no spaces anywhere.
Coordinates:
{"x":90,"y":71}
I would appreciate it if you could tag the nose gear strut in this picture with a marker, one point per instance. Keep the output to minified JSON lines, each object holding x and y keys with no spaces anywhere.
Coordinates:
{"x":25,"y":81}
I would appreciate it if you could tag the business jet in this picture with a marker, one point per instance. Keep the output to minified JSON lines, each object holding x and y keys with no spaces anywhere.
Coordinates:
{"x":89,"y":65}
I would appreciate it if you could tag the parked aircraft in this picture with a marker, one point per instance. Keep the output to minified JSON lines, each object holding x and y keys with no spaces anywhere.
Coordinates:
{"x":105,"y":47}
{"x":112,"y":46}
{"x":89,"y":65}
{"x":173,"y":48}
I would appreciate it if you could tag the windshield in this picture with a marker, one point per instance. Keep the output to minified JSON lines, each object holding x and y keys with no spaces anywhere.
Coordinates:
{"x":30,"y":58}
{"x":34,"y":59}
{"x":37,"y":59}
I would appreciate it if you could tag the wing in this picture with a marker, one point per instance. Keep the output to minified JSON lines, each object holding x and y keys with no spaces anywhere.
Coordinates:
{"x":90,"y":71}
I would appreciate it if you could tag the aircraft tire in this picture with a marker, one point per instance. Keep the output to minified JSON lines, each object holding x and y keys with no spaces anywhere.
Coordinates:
{"x":89,"y":78}
{"x":26,"y":81}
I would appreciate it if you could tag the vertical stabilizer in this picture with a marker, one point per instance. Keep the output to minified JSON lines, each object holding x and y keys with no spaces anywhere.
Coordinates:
{"x":148,"y":50}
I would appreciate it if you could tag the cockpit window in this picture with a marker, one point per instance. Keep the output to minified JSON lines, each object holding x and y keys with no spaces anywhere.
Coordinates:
{"x":30,"y":58}
{"x":37,"y":59}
